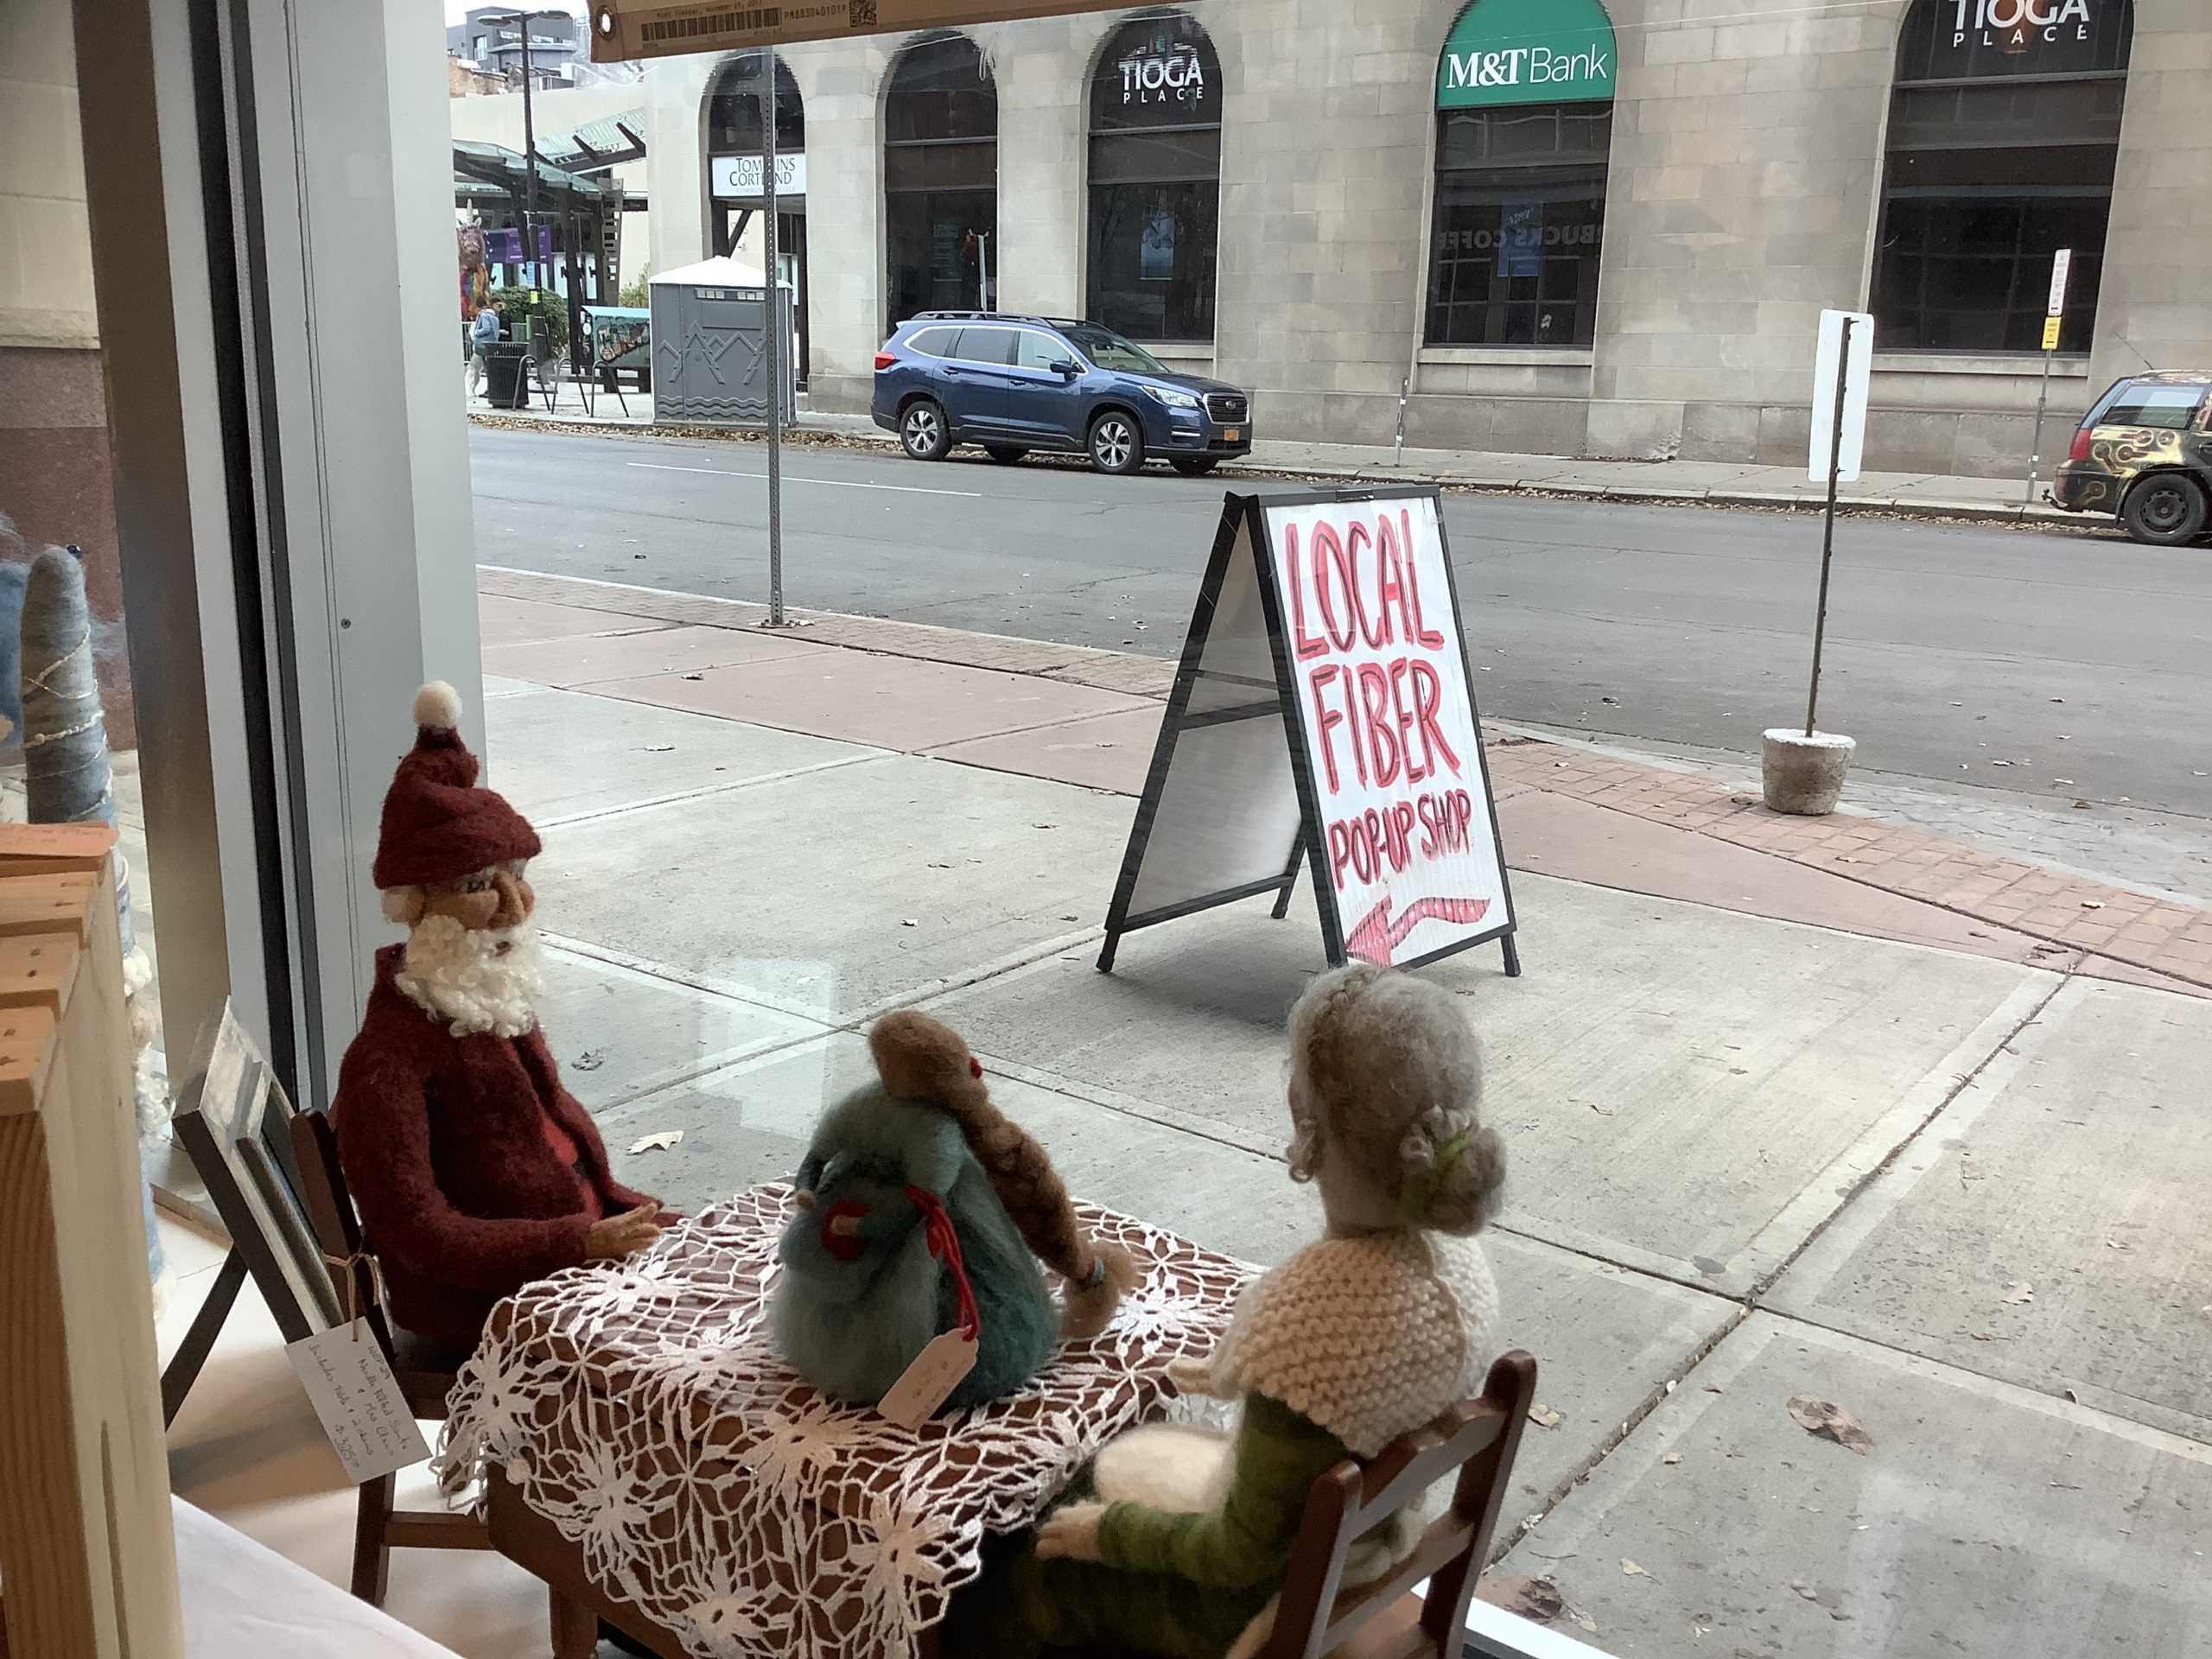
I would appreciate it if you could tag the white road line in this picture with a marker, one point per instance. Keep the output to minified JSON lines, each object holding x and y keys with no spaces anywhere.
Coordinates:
{"x":826,"y":483}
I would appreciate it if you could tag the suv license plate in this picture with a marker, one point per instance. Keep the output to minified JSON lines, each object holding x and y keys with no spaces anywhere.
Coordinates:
{"x":1232,"y":434}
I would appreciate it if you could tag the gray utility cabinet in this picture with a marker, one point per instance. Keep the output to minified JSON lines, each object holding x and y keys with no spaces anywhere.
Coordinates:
{"x":710,"y":356}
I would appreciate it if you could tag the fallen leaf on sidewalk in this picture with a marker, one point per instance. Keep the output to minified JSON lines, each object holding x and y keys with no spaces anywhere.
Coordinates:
{"x":1829,"y":1421}
{"x":1629,"y":1569}
{"x":2062,"y":780}
{"x":1523,"y":1597}
{"x":1543,"y":1416}
{"x":1672,"y":1456}
{"x":591,"y":1059}
{"x":2019,"y":1293}
{"x":660,"y":1142}
{"x":694,"y":676}
{"x":1804,"y":1589}
{"x":659,"y":749}
{"x":910,"y":922}
{"x":2092,"y":904}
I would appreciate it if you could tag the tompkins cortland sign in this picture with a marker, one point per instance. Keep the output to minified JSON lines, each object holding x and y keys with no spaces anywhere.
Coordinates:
{"x":1526,"y":52}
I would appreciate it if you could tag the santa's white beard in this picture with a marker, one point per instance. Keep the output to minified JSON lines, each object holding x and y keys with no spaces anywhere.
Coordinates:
{"x":464,"y":974}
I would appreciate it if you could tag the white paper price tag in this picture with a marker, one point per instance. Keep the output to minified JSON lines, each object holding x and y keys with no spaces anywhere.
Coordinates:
{"x":936,"y":1372}
{"x":351,"y":1386}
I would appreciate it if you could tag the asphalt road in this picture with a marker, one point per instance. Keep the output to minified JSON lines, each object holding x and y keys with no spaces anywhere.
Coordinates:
{"x":2049,"y":664}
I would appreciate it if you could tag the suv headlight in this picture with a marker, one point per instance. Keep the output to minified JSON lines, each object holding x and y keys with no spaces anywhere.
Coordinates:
{"x":1172,"y":398}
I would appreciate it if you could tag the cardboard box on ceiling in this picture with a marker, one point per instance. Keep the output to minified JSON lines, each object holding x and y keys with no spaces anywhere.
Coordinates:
{"x":626,"y":30}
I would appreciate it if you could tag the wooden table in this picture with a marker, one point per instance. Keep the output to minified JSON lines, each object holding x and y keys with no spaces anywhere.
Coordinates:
{"x":645,"y":1453}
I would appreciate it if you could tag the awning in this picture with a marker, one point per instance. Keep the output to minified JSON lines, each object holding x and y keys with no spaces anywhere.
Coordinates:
{"x":597,"y":145}
{"x":479,"y":164}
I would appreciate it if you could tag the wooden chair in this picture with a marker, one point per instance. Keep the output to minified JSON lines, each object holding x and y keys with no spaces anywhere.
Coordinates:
{"x":1384,"y":1620}
{"x":378,"y":1529}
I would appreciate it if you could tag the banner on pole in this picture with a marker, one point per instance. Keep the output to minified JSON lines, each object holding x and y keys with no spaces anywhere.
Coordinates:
{"x":1859,"y":374}
{"x":1323,"y":713}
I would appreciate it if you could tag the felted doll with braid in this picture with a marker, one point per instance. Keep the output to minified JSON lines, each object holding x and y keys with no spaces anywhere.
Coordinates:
{"x":1175,"y":1541}
{"x":922,"y":1208}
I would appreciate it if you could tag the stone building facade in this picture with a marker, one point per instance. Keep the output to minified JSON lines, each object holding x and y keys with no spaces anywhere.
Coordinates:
{"x":1741,"y":164}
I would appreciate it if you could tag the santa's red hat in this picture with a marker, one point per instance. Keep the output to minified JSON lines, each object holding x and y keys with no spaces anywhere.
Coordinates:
{"x":438,"y":826}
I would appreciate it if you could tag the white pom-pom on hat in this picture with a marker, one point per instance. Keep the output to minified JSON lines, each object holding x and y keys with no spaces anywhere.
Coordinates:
{"x":437,"y":706}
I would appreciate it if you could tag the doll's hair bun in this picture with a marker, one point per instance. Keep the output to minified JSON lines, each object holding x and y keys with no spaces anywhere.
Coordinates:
{"x":1454,"y":1174}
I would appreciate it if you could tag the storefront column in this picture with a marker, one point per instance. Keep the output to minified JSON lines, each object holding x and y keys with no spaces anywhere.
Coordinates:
{"x":843,"y":86}
{"x":1043,"y":71}
{"x":676,"y":92}
{"x":2151,"y":308}
{"x":269,"y":197}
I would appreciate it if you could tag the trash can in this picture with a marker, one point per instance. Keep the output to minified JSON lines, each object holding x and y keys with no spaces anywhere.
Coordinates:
{"x":506,"y":374}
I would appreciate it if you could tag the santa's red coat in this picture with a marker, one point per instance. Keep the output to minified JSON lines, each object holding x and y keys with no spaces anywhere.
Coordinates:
{"x":460,"y":1194}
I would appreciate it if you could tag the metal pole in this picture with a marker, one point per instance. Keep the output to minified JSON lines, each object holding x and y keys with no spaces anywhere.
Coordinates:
{"x":1405,"y":387}
{"x":1828,"y":530}
{"x":528,"y":159}
{"x":776,"y":322}
{"x":2035,"y":460}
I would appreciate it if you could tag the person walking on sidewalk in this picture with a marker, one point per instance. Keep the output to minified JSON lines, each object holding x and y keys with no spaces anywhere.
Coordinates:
{"x":485,"y":331}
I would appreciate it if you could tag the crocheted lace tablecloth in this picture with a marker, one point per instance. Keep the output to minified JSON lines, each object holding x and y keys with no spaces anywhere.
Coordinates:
{"x":641,"y":1408}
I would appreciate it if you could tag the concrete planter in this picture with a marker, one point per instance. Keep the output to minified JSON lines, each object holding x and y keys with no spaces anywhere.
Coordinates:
{"x":1803,"y":775}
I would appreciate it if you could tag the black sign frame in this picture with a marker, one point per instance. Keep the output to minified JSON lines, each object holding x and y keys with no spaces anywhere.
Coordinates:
{"x":1244,"y":518}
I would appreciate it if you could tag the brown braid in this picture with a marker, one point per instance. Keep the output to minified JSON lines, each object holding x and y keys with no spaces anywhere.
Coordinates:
{"x":920,"y":1059}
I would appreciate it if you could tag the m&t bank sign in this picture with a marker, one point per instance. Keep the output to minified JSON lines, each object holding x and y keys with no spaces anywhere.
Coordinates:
{"x":1526,"y":52}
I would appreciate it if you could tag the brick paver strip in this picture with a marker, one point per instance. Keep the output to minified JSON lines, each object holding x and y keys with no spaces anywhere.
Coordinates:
{"x":2154,"y":934}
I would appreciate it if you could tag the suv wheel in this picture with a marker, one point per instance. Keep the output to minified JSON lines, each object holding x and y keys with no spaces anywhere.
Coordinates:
{"x":1117,"y":443}
{"x":2166,"y":510}
{"x":922,"y":431}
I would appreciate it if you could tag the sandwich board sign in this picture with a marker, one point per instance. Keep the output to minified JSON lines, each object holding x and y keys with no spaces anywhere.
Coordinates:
{"x":1323,"y":713}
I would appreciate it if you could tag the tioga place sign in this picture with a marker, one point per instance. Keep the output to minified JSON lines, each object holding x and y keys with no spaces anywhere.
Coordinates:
{"x":1526,"y":52}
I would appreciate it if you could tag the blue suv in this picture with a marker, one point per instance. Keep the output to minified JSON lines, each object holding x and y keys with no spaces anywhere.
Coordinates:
{"x":1016,"y":383}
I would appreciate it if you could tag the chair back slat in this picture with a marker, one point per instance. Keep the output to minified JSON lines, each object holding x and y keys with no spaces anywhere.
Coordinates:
{"x":330,"y":1212}
{"x":1477,"y":1439}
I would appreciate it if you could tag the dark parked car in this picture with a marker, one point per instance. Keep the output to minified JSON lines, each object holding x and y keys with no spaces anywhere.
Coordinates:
{"x":1016,"y":383}
{"x":2143,"y":451}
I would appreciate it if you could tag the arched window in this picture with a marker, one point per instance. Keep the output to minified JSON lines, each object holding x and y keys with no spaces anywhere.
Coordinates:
{"x":2004,"y":132}
{"x":1522,"y":133}
{"x":1155,"y":179}
{"x":1524,"y":125}
{"x":735,"y":150}
{"x":941,"y":178}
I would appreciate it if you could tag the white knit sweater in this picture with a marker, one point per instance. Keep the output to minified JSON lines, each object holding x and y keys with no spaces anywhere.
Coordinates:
{"x":1368,"y":1337}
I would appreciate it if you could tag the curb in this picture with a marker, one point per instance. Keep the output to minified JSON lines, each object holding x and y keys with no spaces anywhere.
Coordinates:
{"x":1936,"y":509}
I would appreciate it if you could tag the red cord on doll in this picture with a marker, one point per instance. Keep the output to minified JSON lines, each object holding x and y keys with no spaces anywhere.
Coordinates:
{"x":945,"y":1244}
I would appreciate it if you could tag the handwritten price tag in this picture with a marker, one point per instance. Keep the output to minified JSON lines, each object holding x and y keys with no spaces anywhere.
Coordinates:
{"x":930,"y":1381}
{"x":349,"y":1382}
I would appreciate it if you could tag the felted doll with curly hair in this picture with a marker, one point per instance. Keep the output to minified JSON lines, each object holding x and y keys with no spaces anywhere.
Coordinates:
{"x":1175,"y":1541}
{"x":923,"y":1207}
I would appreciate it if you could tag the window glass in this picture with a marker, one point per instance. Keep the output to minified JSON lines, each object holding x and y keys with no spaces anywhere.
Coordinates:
{"x":1155,"y":179}
{"x":940,"y":179}
{"x":1036,"y":351}
{"x":985,"y":346}
{"x":2004,"y":135}
{"x":2141,"y":403}
{"x":1109,"y":350}
{"x":933,"y":342}
{"x":1521,"y":169}
{"x":733,"y":110}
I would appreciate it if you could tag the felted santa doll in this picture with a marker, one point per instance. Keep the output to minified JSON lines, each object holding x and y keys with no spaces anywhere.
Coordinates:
{"x":473,"y":1170}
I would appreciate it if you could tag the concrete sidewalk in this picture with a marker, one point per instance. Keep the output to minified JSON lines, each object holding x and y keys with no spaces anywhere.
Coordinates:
{"x":1786,"y":1117}
{"x":1721,"y":483}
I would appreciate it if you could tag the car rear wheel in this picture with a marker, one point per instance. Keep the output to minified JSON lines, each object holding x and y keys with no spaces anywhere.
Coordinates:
{"x":1116,"y":444}
{"x":1194,"y":465}
{"x":2165,"y":510}
{"x":922,"y":431}
{"x":1004,"y":454}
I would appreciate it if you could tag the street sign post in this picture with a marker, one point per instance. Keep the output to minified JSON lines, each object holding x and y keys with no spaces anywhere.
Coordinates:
{"x":1841,"y":374}
{"x":2061,"y":265}
{"x":1323,"y":713}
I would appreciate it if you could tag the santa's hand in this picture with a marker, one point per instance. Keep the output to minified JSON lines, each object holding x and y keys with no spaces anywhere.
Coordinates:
{"x":624,"y":1235}
{"x":1070,"y":1533}
{"x":1193,"y":1378}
